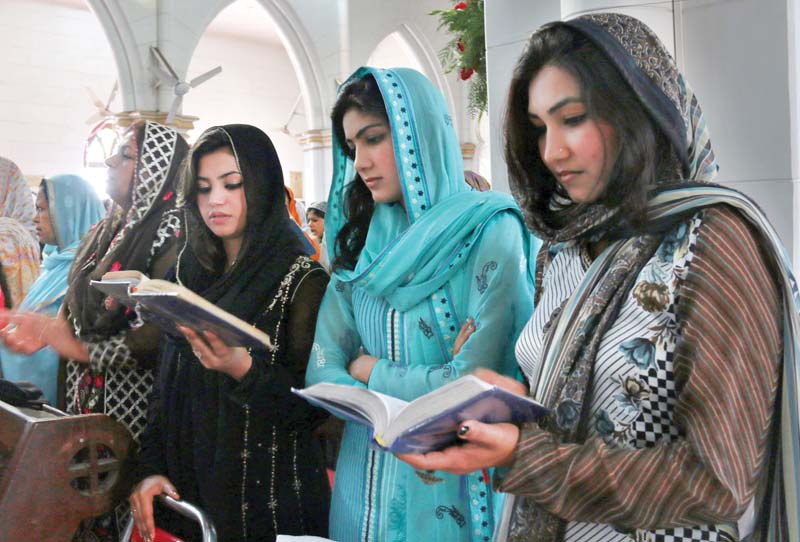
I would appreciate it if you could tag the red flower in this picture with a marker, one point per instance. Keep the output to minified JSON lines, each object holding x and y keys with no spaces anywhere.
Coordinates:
{"x":460,"y":46}
{"x":460,"y":6}
{"x":98,"y":381}
{"x":116,"y":266}
{"x":466,"y":73}
{"x":87,"y":379}
{"x":168,"y":196}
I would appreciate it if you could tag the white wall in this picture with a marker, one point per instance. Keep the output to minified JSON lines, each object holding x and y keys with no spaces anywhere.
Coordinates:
{"x":257,"y":86}
{"x":51,"y":50}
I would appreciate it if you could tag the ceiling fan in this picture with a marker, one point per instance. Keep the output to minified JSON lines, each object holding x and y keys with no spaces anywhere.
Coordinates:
{"x":169,"y":77}
{"x":103,"y":110}
{"x":285,"y":128}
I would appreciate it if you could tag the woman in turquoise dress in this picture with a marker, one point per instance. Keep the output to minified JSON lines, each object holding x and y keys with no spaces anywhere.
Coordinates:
{"x":416,"y":258}
{"x":66,"y":208}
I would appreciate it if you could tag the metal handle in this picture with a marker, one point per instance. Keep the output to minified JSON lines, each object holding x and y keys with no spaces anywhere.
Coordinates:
{"x":185,"y":509}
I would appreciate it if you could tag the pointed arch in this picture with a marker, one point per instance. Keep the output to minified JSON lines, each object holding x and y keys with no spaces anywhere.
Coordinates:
{"x":302,"y":54}
{"x":130,"y":66}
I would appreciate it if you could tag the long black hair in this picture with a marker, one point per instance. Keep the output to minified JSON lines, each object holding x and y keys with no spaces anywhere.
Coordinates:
{"x":644,"y":150}
{"x":207,"y":247}
{"x":365,"y":96}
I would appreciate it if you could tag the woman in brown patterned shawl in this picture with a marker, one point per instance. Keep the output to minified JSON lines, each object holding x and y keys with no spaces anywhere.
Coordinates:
{"x":111,"y":353}
{"x":666,"y":313}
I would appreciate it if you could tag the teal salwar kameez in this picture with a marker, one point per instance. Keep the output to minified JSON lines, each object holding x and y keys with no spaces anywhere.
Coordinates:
{"x":444,"y":255}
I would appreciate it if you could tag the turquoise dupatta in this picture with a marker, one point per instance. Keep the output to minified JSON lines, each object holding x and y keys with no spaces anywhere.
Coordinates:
{"x":74,"y":207}
{"x":410,"y":252}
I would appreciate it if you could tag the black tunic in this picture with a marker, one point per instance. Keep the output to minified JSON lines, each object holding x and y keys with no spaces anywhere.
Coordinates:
{"x":243,"y":451}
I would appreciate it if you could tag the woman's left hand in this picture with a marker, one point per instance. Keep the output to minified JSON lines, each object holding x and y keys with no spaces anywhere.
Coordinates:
{"x":216,"y":355}
{"x":483,"y":446}
{"x":361,"y":367}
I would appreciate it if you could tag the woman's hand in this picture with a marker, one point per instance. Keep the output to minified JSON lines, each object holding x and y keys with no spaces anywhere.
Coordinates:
{"x":463,"y":334}
{"x":483,"y":446}
{"x":216,"y":355}
{"x":24,"y":332}
{"x":141,"y":500}
{"x":361,"y":367}
{"x":29,"y":332}
{"x":505,"y":382}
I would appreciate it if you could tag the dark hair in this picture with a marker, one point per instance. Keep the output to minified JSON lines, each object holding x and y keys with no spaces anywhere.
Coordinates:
{"x":644,"y":152}
{"x":208,"y":248}
{"x":43,"y":189}
{"x":365,"y":96}
{"x":316,"y":212}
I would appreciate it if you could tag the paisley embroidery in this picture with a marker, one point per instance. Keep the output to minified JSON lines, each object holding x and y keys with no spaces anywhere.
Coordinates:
{"x":427,"y":477}
{"x":446,"y":368}
{"x":426,"y":329}
{"x":483,"y":282}
{"x":452,"y":512}
{"x":320,"y":355}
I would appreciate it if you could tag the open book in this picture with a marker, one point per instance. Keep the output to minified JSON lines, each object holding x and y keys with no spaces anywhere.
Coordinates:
{"x":429,"y":422}
{"x":168,"y":305}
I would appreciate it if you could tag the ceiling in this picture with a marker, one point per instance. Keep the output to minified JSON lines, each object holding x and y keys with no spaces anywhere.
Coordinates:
{"x":244,"y":19}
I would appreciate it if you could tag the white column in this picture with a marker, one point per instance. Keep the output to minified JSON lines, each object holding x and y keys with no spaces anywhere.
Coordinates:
{"x":317,"y":164}
{"x":739,"y":58}
{"x":509,"y":24}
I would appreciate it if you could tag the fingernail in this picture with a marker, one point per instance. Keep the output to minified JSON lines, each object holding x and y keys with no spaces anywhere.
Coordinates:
{"x":463,"y":430}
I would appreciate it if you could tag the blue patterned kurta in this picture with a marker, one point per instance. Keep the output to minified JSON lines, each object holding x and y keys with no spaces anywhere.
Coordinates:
{"x":376,"y":497}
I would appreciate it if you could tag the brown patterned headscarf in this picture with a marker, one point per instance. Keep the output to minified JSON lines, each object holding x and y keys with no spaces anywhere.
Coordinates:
{"x":652,"y":75}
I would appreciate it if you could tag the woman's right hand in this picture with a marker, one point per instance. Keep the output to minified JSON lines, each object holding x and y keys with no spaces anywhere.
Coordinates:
{"x":25,"y":332}
{"x":464,"y":333}
{"x":141,"y":500}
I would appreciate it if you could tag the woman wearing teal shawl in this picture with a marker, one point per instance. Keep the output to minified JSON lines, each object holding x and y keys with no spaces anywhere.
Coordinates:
{"x":71,"y":207}
{"x":416,"y":255}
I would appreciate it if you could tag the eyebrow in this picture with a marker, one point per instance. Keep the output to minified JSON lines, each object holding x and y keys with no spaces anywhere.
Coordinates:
{"x":364,"y":129}
{"x":234,"y":172}
{"x":558,"y":105}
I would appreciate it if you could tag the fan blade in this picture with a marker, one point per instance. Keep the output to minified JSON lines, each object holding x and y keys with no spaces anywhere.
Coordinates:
{"x":113,"y":94}
{"x":173,"y":109}
{"x":205,"y":77}
{"x":156,"y":51}
{"x":95,"y":100}
{"x":97,"y":117}
{"x":163,"y":76}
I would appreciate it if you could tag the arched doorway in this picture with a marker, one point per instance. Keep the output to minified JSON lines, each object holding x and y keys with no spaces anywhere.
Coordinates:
{"x":257,"y":86}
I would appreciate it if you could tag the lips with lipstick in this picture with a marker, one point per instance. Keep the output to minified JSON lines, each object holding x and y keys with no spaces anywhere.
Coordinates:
{"x":218,"y":217}
{"x":372,"y":182}
{"x":566,"y":176}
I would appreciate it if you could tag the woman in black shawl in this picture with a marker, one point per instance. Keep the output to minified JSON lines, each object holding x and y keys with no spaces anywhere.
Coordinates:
{"x":225,"y":429}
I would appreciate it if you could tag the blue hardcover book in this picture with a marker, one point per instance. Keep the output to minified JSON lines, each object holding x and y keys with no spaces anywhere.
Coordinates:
{"x":168,"y":305}
{"x":429,"y":422}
